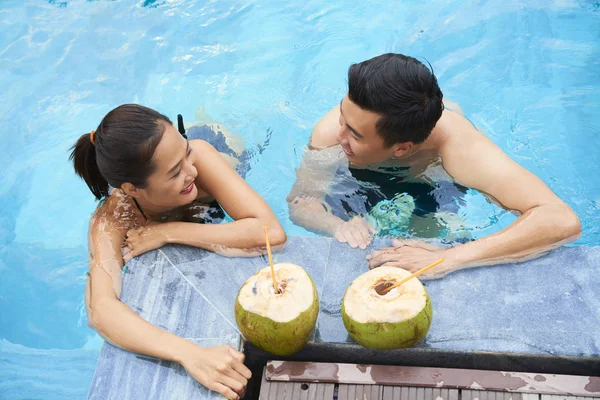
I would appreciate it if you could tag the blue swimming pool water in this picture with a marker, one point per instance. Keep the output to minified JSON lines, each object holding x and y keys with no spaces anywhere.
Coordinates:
{"x":527,"y":75}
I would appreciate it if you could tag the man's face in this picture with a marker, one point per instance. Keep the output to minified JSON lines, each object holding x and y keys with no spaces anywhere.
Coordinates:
{"x":358,"y":135}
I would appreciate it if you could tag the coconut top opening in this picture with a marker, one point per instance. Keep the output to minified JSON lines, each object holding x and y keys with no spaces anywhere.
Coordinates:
{"x":384,"y":284}
{"x":365,"y":302}
{"x":296,"y":293}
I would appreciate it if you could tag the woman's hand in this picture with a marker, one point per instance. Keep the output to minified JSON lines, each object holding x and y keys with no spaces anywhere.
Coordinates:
{"x":141,"y":240}
{"x":221,"y":369}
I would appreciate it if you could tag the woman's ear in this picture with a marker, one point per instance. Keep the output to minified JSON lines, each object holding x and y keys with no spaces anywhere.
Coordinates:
{"x":129,"y":189}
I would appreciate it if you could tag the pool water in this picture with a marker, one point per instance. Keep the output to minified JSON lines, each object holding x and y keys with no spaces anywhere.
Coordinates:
{"x":528,"y":75}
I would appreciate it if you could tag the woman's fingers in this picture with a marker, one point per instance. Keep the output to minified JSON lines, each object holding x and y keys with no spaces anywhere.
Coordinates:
{"x":239,"y":366}
{"x":233,"y":384}
{"x":225,"y":391}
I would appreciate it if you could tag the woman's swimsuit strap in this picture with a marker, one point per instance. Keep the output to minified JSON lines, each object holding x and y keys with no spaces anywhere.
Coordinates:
{"x":138,"y":207}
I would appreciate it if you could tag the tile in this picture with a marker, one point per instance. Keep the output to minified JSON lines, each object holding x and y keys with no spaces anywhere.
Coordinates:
{"x":529,"y":307}
{"x":219,"y":279}
{"x":162,"y":296}
{"x":344,"y":265}
{"x":121,"y":375}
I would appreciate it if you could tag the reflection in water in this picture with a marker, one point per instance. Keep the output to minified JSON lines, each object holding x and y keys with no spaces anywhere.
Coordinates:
{"x":397,"y":205}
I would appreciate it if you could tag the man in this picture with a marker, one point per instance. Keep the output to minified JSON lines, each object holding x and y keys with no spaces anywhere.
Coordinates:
{"x":393,"y":116}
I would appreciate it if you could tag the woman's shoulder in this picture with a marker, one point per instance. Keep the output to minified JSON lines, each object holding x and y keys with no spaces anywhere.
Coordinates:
{"x":205,"y":154}
{"x":117,"y":211}
{"x":202,"y":145}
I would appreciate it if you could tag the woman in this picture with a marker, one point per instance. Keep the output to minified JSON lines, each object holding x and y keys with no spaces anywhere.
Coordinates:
{"x":159,"y":179}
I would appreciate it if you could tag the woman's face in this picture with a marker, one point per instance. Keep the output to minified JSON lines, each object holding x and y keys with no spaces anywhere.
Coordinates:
{"x":172,"y":182}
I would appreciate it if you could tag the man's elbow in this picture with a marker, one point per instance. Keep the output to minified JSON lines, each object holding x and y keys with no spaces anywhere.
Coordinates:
{"x":294,"y":209}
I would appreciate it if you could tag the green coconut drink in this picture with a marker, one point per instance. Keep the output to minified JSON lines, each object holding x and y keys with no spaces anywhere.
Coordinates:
{"x":399,"y":318}
{"x":279,"y":323}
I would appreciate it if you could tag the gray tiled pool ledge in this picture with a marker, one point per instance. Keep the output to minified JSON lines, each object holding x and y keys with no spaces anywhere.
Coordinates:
{"x":546,"y":306}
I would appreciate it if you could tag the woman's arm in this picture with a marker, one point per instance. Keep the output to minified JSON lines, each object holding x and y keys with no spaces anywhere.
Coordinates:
{"x":243,"y":237}
{"x":220,"y":368}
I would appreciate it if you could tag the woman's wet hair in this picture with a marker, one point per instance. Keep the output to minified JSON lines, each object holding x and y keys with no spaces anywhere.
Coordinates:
{"x":120,"y":150}
{"x":403,"y":91}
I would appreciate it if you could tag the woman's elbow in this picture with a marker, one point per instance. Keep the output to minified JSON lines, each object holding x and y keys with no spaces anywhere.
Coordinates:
{"x":277,"y":237}
{"x":567,"y":226}
{"x":97,"y":317}
{"x":571,"y":225}
{"x":95,"y":321}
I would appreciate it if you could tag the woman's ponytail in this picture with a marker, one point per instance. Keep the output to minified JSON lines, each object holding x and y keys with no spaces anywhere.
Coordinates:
{"x":83,"y":155}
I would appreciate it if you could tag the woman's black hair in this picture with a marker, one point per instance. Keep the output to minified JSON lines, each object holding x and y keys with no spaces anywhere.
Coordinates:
{"x":122,"y":149}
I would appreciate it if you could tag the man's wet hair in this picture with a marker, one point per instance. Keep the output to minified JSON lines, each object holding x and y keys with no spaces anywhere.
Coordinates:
{"x":403,"y":91}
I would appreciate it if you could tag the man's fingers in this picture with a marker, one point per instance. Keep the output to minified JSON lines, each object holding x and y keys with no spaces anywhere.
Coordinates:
{"x":377,"y":253}
{"x":382,"y":259}
{"x":339,"y":235}
{"x":387,"y":264}
{"x":365,"y":236}
{"x":351,"y":237}
{"x":414,"y":243}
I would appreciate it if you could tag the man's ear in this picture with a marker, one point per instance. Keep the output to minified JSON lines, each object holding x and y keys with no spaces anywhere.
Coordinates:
{"x":129,"y":189}
{"x":401,"y":150}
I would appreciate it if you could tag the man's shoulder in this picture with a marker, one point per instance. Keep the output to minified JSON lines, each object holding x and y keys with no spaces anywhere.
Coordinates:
{"x":457,"y":134}
{"x":324,"y":133}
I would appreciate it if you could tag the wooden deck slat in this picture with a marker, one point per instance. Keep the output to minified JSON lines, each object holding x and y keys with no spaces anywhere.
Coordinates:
{"x":353,"y":391}
{"x":467,"y":395}
{"x":324,"y":391}
{"x":289,"y":390}
{"x":388,"y":393}
{"x":564,"y":397}
{"x":453,"y":394}
{"x":429,"y":394}
{"x":376,"y":392}
{"x":265,"y":386}
{"x":293,"y":390}
{"x":493,"y":381}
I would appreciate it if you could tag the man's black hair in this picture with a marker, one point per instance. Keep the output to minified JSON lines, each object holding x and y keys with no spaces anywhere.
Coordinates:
{"x":403,"y":91}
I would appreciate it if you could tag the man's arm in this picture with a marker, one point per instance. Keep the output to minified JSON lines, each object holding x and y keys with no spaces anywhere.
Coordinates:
{"x":306,"y":200}
{"x":546,"y":222}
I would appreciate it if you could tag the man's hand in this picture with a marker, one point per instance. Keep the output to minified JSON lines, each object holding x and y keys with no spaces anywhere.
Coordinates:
{"x":411,"y":255}
{"x":357,"y":233}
